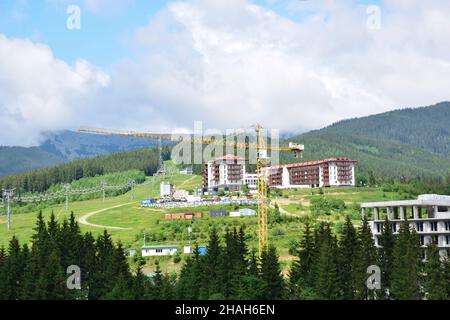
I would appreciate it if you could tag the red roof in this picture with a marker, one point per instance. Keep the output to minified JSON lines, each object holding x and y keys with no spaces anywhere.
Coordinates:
{"x":311,"y":163}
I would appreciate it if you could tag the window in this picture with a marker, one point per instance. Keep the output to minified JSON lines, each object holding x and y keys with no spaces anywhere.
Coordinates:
{"x":435,"y":239}
{"x":394,"y":227}
{"x":447,"y":226}
{"x":159,"y":250}
{"x":419,"y":226}
{"x":378,"y":227}
{"x":434,"y":226}
{"x":422,"y":240}
{"x":447,"y":239}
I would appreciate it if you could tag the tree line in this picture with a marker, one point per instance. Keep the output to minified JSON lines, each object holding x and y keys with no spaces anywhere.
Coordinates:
{"x":41,"y":180}
{"x":327,"y":266}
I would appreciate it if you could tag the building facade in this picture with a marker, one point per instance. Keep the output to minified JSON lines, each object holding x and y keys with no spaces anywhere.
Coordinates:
{"x":163,"y":250}
{"x":229,"y":172}
{"x":429,"y":215}
{"x":333,"y":172}
{"x":166,"y":190}
{"x":225,"y":172}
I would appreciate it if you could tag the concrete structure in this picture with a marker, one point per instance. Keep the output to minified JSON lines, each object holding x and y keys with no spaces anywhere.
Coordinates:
{"x":429,"y":215}
{"x":229,"y":173}
{"x":332,"y":172}
{"x":224,"y":172}
{"x":166,"y":191}
{"x":163,"y":250}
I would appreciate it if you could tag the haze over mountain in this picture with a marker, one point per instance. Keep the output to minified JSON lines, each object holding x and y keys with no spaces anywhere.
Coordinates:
{"x":405,"y":143}
{"x":65,"y":146}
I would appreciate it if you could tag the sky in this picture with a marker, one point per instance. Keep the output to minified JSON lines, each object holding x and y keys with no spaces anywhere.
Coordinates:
{"x":291,"y":65}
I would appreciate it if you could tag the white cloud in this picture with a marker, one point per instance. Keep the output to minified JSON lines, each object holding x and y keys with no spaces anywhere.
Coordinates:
{"x":231,"y":64}
{"x":39,"y":92}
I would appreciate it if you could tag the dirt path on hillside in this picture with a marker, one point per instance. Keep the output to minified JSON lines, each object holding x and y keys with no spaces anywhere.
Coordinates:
{"x":83,"y":219}
{"x":282,"y":211}
{"x":185,"y":182}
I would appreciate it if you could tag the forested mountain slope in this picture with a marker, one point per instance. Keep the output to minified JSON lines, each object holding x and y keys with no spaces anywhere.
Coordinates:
{"x":426,"y":128}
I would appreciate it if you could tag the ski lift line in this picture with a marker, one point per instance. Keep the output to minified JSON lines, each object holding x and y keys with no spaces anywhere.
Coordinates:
{"x":62,"y":193}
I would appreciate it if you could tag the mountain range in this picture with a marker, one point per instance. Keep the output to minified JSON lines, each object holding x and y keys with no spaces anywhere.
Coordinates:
{"x":64,"y":146}
{"x":405,"y":143}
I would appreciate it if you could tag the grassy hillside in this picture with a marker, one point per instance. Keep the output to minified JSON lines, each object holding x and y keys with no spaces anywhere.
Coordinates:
{"x":128,"y":222}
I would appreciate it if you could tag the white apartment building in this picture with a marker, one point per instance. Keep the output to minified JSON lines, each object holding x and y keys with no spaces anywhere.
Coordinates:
{"x":429,"y":215}
{"x":229,"y":172}
{"x":332,"y":172}
{"x":224,"y":172}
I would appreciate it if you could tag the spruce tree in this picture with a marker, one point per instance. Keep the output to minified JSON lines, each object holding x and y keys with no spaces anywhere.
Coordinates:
{"x":271,"y":275}
{"x":366,"y":257}
{"x":435,"y":282}
{"x":385,"y":256}
{"x":213,"y":265}
{"x":348,"y":258}
{"x":88,"y":265}
{"x":3,"y":286}
{"x":447,"y":274}
{"x":325,"y":268}
{"x":252,"y":285}
{"x":191,"y":277}
{"x":104,"y":277}
{"x":405,"y":265}
{"x":14,"y":269}
{"x":300,"y":278}
{"x":140,"y":285}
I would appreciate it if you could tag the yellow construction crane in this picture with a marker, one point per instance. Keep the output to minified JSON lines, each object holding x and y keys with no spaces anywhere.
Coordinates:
{"x":261,"y":163}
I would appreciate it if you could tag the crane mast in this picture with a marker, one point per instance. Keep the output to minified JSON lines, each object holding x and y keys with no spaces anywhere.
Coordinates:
{"x":261,"y":164}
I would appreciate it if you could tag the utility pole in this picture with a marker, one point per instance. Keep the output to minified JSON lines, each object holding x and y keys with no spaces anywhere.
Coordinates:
{"x":67,"y":187}
{"x":190,"y":237}
{"x":8,"y":193}
{"x":132,"y":182}
{"x":103,"y":190}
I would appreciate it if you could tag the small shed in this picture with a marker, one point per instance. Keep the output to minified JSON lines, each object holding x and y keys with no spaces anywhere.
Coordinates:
{"x":247,"y":212}
{"x":201,"y":250}
{"x":218,"y":213}
{"x":162,"y":250}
